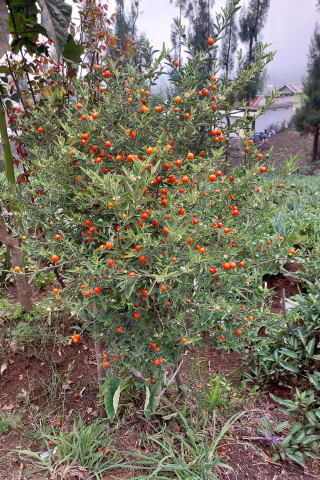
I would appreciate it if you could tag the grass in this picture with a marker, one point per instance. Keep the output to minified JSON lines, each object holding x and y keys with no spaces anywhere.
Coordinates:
{"x":87,"y":446}
{"x":190,"y":456}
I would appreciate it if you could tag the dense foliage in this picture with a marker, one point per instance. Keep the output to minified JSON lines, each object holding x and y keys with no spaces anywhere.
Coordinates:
{"x":156,"y":238}
{"x":307,"y":119}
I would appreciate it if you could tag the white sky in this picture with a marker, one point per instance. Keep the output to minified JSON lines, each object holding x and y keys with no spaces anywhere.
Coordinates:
{"x":289,"y":28}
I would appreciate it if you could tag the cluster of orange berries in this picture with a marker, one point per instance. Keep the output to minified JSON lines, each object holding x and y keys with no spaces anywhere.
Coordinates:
{"x":76,"y":338}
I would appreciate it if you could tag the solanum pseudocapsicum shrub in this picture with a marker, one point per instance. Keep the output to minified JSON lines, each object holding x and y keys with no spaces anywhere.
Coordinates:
{"x":156,"y":237}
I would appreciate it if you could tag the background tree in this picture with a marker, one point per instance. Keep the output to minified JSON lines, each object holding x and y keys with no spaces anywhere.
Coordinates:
{"x":175,"y":33}
{"x":229,"y":43}
{"x":122,"y":26}
{"x":200,"y":19}
{"x":307,"y":118}
{"x":252,"y":21}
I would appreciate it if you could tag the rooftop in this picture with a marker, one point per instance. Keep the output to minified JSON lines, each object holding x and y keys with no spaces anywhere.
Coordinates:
{"x":294,"y":87}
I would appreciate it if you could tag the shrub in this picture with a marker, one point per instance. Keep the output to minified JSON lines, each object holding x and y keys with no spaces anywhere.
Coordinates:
{"x":155,"y":237}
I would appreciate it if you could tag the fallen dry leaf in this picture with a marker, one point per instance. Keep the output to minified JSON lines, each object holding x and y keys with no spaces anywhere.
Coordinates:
{"x":69,"y":473}
{"x":14,"y":345}
{"x":3,"y":367}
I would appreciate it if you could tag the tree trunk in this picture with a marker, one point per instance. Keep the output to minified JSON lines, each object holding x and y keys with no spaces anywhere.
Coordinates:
{"x":13,"y":244}
{"x":179,"y":381}
{"x":315,"y":144}
{"x":99,"y":359}
{"x":17,"y":253}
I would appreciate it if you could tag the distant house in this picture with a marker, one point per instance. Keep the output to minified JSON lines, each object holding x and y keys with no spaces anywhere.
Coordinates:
{"x":275,"y":117}
{"x":280,"y":112}
{"x":295,"y":89}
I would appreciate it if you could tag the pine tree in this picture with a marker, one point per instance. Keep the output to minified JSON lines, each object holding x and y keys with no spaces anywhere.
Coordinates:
{"x":175,"y":34}
{"x":200,"y":20}
{"x":252,"y":21}
{"x":122,"y":27}
{"x":229,"y":43}
{"x":307,"y":117}
{"x":200,"y":23}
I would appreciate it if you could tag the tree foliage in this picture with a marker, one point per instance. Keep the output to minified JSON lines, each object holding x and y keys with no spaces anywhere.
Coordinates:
{"x":307,"y":117}
{"x":228,"y":46}
{"x":252,"y":21}
{"x":175,"y":32}
{"x":200,"y":19}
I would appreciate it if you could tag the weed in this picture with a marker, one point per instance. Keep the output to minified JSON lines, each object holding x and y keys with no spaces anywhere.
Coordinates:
{"x":42,"y":280}
{"x":8,"y":422}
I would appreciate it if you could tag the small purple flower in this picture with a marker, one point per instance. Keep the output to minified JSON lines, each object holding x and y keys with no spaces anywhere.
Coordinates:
{"x":272,"y":439}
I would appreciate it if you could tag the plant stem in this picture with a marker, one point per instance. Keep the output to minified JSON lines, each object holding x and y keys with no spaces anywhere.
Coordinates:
{"x":99,"y":357}
{"x":179,"y":381}
{"x":8,"y":158}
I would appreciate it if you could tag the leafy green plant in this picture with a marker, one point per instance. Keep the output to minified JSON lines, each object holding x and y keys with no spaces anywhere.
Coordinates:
{"x":214,"y":396}
{"x":191,"y":456}
{"x":43,"y":279}
{"x":299,"y":442}
{"x":8,"y":422}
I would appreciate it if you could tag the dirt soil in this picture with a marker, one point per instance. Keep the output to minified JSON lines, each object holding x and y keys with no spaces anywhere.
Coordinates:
{"x":284,"y":144}
{"x":39,"y":384}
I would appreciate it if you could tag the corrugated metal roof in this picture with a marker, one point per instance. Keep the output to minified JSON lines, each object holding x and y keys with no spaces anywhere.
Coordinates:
{"x":256,"y":101}
{"x":294,"y":87}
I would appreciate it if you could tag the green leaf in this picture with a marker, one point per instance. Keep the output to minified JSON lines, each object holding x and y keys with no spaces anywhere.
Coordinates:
{"x":152,"y":398}
{"x":285,"y":442}
{"x":299,"y":438}
{"x":289,"y":353}
{"x":55,"y":18}
{"x":286,"y":403}
{"x":302,"y":337}
{"x":108,"y":403}
{"x":4,"y":69}
{"x":295,"y":427}
{"x":316,"y":357}
{"x":72,"y":51}
{"x":310,"y":347}
{"x":280,"y":426}
{"x":314,"y":380}
{"x":111,"y":390}
{"x":114,"y":385}
{"x":310,"y":439}
{"x":296,"y":457}
{"x":289,"y":366}
{"x":312,"y":455}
